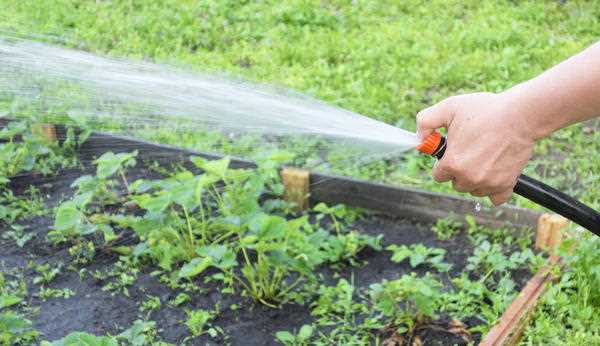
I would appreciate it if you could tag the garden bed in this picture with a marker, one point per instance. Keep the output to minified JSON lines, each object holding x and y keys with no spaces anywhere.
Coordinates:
{"x":108,"y":294}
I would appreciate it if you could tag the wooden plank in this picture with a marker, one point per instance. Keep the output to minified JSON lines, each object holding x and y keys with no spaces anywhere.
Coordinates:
{"x":45,"y":131}
{"x":296,"y":183}
{"x":514,"y":320}
{"x":422,"y":206}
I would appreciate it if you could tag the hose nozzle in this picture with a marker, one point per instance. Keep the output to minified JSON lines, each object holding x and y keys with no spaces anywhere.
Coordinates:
{"x":434,"y":144}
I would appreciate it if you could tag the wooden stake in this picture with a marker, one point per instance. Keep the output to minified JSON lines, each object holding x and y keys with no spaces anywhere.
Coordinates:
{"x":512,"y":324}
{"x":550,"y":232}
{"x":46,"y":131}
{"x":508,"y":331}
{"x":296,"y":182}
{"x":543,"y":232}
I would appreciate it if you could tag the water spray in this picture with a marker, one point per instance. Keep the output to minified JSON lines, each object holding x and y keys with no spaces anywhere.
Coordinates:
{"x":37,"y":78}
{"x":533,"y":190}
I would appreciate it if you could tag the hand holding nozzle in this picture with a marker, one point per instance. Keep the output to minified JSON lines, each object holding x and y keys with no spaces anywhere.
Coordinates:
{"x":534,"y":190}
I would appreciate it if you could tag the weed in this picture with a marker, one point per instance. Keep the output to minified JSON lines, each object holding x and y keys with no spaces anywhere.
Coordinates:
{"x":47,"y":293}
{"x":300,"y":339}
{"x":151,"y":304}
{"x":181,"y":299}
{"x":46,"y":272}
{"x":198,"y":322}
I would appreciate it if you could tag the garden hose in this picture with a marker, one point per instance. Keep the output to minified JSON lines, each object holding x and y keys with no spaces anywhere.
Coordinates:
{"x":532,"y":189}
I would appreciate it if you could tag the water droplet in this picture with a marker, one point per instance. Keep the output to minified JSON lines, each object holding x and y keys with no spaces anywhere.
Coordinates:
{"x":477,"y":207}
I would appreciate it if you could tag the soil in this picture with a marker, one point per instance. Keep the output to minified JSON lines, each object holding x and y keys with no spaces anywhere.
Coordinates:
{"x":95,"y":310}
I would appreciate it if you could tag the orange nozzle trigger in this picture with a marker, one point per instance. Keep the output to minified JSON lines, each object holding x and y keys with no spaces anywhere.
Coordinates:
{"x":431,"y":143}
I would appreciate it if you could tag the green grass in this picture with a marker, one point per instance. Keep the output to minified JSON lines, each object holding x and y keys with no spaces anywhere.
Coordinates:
{"x":384,"y":59}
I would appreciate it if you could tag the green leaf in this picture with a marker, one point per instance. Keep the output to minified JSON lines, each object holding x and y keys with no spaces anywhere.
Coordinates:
{"x":154,"y":204}
{"x":109,"y":163}
{"x":195,"y":267}
{"x":285,"y":337}
{"x":85,"y":339}
{"x":9,"y":300}
{"x":268,"y":226}
{"x":67,"y":217}
{"x":305,"y":332}
{"x":215,"y":167}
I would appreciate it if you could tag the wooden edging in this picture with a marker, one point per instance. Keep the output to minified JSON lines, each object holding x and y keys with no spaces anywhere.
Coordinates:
{"x":509,"y":329}
{"x":411,"y":203}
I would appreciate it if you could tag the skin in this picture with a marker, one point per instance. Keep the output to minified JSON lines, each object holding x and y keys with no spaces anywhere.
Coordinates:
{"x":491,"y":136}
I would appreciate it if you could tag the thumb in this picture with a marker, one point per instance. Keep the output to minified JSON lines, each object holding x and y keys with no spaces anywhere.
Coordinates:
{"x":434,"y":117}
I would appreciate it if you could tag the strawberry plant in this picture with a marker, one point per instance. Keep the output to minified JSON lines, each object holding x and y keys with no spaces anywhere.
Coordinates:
{"x":408,"y":301}
{"x":420,"y":254}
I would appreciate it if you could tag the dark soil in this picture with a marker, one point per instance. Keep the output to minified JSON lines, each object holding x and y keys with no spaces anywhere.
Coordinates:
{"x":95,"y":310}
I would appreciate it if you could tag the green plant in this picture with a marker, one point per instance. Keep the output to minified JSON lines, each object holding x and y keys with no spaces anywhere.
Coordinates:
{"x":420,"y":254}
{"x":447,"y":227}
{"x":198,"y":322}
{"x":47,"y":293}
{"x":81,"y":338}
{"x":46,"y":272}
{"x":15,"y":329}
{"x":408,"y":301}
{"x":347,"y":318}
{"x":142,"y":333}
{"x":14,"y":208}
{"x":300,"y":339}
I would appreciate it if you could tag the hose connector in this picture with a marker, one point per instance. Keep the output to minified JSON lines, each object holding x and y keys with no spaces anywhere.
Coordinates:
{"x":434,"y":144}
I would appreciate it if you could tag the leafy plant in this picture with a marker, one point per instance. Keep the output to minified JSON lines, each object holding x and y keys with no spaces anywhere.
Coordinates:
{"x":420,"y":254}
{"x":81,"y":338}
{"x":300,"y":339}
{"x":46,"y":273}
{"x":198,"y":322}
{"x":446,"y":228}
{"x":408,"y":300}
{"x":16,"y":329}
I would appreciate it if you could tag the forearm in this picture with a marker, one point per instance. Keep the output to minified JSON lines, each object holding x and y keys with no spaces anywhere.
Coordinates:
{"x":565,"y":94}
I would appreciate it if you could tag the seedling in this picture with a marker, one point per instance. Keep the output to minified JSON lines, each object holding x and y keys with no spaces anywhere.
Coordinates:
{"x":47,"y":293}
{"x":151,"y":304}
{"x":300,"y":339}
{"x":47,"y":272}
{"x":198,"y":322}
{"x":420,"y":254}
{"x":446,"y":228}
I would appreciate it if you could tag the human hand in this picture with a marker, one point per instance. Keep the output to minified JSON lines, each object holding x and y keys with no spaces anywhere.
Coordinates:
{"x":489,"y":141}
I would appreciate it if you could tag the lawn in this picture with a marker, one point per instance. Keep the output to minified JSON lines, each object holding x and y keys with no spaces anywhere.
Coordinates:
{"x":383,"y":59}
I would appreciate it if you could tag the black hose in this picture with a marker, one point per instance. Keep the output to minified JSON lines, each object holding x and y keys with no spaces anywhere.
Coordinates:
{"x":549,"y":197}
{"x":558,"y":202}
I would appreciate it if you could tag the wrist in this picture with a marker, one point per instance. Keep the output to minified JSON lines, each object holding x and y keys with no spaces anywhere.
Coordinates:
{"x":528,"y":112}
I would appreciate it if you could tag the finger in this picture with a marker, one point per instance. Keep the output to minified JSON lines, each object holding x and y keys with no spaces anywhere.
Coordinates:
{"x":479,"y":193}
{"x":462,"y":186}
{"x":434,"y":117}
{"x":440,"y":174}
{"x":501,"y":197}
